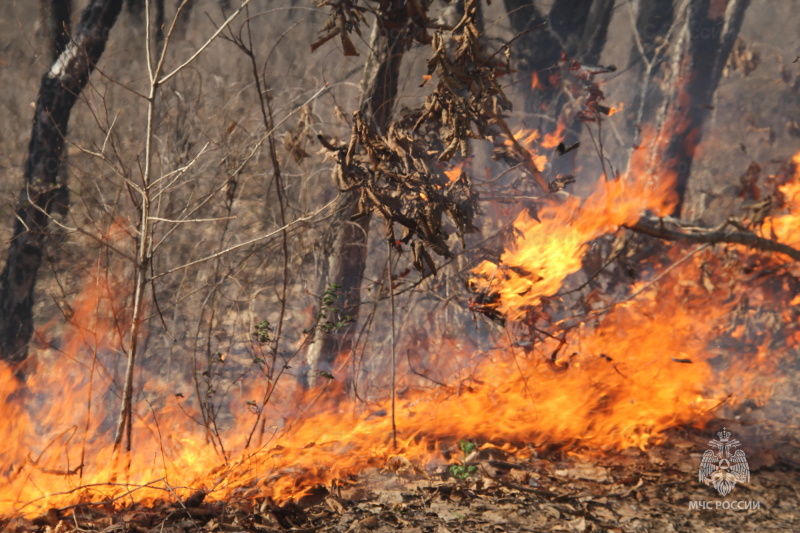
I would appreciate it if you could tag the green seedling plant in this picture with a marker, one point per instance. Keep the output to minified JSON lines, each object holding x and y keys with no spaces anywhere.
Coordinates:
{"x":329,"y":316}
{"x":263,"y":332}
{"x":463,"y":471}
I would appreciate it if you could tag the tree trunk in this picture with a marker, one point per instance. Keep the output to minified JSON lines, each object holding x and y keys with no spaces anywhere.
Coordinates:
{"x":56,"y":23}
{"x":576,"y":29}
{"x":679,"y":105}
{"x":56,"y":19}
{"x":44,"y":185}
{"x":345,"y":263}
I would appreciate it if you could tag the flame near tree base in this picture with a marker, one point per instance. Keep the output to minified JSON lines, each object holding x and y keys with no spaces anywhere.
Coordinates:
{"x":674,"y":349}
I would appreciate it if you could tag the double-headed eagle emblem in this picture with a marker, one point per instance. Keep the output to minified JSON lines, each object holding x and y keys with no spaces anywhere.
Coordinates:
{"x":724,"y":468}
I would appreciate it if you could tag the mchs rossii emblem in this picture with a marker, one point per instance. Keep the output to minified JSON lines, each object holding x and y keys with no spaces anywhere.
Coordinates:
{"x":724,"y":468}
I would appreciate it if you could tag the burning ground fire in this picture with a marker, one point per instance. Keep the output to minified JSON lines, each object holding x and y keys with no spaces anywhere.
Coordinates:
{"x":678,"y":345}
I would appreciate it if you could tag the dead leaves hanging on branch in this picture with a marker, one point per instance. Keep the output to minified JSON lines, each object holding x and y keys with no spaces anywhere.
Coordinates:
{"x":346,"y":17}
{"x":392,"y":177}
{"x":400,"y":175}
{"x":467,"y":96}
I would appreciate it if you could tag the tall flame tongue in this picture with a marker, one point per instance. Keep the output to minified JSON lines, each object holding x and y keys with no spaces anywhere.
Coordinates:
{"x":621,"y":381}
{"x":784,"y":227}
{"x":549,"y":249}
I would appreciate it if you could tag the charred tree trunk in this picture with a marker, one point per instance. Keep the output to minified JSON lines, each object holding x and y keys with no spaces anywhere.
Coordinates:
{"x":56,"y":19}
{"x":346,"y":260}
{"x":689,"y":70}
{"x":703,"y":44}
{"x":680,"y":50}
{"x":56,"y":23}
{"x":43,"y":187}
{"x":576,"y":29}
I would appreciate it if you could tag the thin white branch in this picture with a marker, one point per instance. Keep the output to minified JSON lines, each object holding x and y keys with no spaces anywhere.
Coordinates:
{"x":108,"y":133}
{"x":147,"y":37}
{"x":246,"y":243}
{"x":206,"y":44}
{"x":189,"y":213}
{"x":171,"y":221}
{"x":179,"y":171}
{"x":637,"y":39}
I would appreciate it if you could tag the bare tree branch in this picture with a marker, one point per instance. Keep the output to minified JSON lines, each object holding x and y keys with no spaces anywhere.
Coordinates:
{"x":670,"y":229}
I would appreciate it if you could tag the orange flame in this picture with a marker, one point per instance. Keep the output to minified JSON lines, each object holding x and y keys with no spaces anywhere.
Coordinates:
{"x":645,"y":364}
{"x":535,"y":81}
{"x":551,"y":140}
{"x":548,"y":250}
{"x":624,"y":377}
{"x":785,"y":226}
{"x":454,"y":173}
{"x":643,"y":368}
{"x":529,"y":139}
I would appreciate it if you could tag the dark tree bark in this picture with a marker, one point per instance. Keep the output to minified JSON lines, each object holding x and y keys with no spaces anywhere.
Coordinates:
{"x":576,"y":29}
{"x":347,"y":256}
{"x":56,"y":19}
{"x":708,"y":39}
{"x":44,"y":185}
{"x":56,"y":23}
{"x":690,"y":70}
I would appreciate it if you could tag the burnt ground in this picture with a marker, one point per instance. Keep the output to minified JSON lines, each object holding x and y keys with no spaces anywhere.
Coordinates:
{"x":632,"y":491}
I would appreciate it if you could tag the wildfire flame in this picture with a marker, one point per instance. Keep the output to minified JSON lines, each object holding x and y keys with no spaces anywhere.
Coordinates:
{"x":785,"y":226}
{"x":549,"y":249}
{"x":454,"y":173}
{"x":551,"y":140}
{"x":529,"y":139}
{"x":616,"y":109}
{"x":535,"y":83}
{"x":625,"y":375}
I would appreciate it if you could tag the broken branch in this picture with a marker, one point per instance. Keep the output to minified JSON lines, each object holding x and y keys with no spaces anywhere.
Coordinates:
{"x":670,"y":229}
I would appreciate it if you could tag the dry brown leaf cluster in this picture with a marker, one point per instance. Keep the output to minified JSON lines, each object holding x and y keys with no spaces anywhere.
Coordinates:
{"x":393,"y":178}
{"x":467,"y":96}
{"x":400,"y":174}
{"x":345,"y":18}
